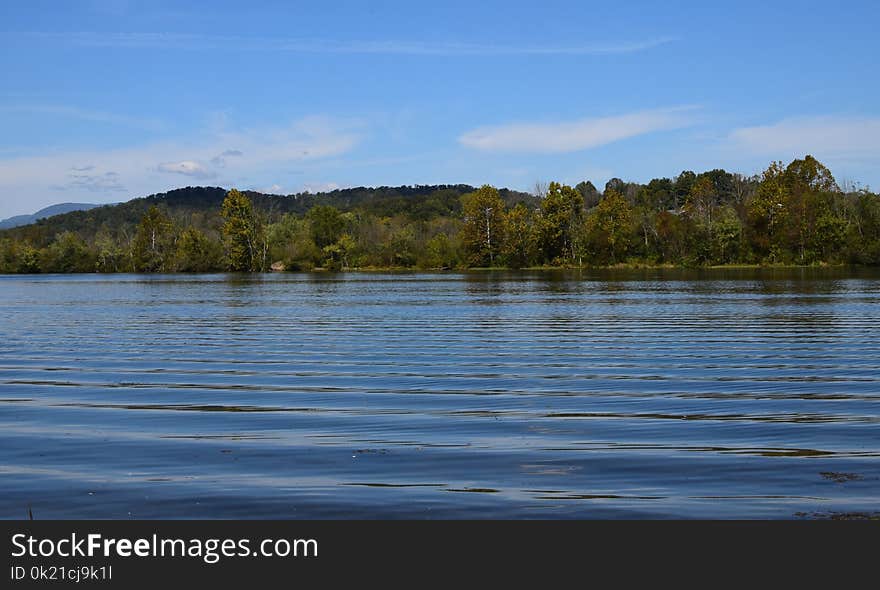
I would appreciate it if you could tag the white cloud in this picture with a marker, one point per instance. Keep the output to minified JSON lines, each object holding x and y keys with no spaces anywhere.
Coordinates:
{"x":31,"y":182}
{"x":835,"y":137}
{"x":275,"y":189}
{"x":572,"y":136}
{"x":187,"y":168}
{"x":319,"y":187}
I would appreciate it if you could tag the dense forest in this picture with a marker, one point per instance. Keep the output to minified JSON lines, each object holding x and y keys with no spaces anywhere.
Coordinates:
{"x":794,"y":214}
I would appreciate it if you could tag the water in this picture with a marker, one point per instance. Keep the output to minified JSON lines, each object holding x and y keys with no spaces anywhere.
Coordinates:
{"x":641,"y":394}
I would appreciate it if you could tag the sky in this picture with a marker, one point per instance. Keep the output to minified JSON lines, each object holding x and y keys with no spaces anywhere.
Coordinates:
{"x":106,"y":100}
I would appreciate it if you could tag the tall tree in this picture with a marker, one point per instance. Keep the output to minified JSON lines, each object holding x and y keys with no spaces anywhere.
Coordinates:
{"x":813,"y":227}
{"x":658,"y":195}
{"x":700,"y":200}
{"x":519,"y":232}
{"x":326,"y":224}
{"x":198,"y":253}
{"x":726,"y":234}
{"x":810,"y":174}
{"x":152,"y":247}
{"x":786,"y":209}
{"x":440,"y":253}
{"x":682,"y":186}
{"x":246,"y":247}
{"x":109,"y":256}
{"x":483,"y":230}
{"x":589,"y":192}
{"x":767,"y":211}
{"x":561,"y":215}
{"x":609,"y":226}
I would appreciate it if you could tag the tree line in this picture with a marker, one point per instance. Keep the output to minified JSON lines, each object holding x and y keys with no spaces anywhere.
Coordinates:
{"x":789,"y":214}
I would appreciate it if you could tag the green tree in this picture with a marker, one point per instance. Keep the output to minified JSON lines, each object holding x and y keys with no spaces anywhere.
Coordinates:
{"x":700,"y":201}
{"x":440,"y":252}
{"x":67,"y":253}
{"x":767,"y":212}
{"x":609,"y":226}
{"x":864,"y":234}
{"x":644,"y":218}
{"x":829,"y":234}
{"x":109,"y":257}
{"x":658,"y":195}
{"x":28,"y":259}
{"x":338,"y":255}
{"x":562,"y":211}
{"x":589,"y":192}
{"x":813,"y":230}
{"x":400,"y":248}
{"x":809,"y":174}
{"x":326,"y":224}
{"x":726,"y":233}
{"x":519,"y":246}
{"x":483,"y":230}
{"x":244,"y":238}
{"x":290,"y":242}
{"x":681,"y":187}
{"x":152,"y":248}
{"x":785,"y":210}
{"x":671,"y":232}
{"x":8,"y":255}
{"x":196,"y":252}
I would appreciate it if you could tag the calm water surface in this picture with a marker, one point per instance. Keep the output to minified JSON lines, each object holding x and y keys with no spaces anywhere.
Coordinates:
{"x":649,"y":394}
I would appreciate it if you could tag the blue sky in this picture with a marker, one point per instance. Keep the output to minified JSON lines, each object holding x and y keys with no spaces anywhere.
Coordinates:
{"x":106,"y":100}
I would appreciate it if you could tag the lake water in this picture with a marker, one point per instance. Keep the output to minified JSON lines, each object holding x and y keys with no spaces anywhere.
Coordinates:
{"x":612,"y":394}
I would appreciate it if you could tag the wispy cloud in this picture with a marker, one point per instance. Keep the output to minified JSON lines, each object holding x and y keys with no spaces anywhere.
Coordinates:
{"x":220,"y":159}
{"x":572,"y":136}
{"x":186,"y":168}
{"x":302,"y":45}
{"x":836,"y":137}
{"x":80,"y":178}
{"x":139,"y":170}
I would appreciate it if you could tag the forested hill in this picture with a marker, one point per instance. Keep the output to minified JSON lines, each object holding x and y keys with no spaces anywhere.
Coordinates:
{"x":789,"y":214}
{"x":200,"y":207}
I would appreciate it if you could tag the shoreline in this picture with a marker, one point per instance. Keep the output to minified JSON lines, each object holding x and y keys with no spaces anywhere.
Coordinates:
{"x":401,"y":269}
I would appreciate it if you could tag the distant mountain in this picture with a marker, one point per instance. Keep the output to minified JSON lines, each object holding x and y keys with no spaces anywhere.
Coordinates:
{"x":49,"y":211}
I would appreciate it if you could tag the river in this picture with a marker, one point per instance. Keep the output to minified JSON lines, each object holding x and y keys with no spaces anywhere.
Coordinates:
{"x":738,"y":393}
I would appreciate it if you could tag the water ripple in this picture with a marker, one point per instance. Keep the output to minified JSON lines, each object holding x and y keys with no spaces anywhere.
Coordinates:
{"x":601,"y":394}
